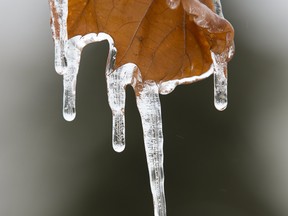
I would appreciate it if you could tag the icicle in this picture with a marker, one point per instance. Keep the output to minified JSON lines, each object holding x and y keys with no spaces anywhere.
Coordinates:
{"x":173,"y":4}
{"x":73,"y":55}
{"x":168,"y":86}
{"x":73,"y":49}
{"x":116,"y":83}
{"x":220,"y":69}
{"x":220,"y":81}
{"x":221,"y":77}
{"x":59,"y":30}
{"x":149,"y":106}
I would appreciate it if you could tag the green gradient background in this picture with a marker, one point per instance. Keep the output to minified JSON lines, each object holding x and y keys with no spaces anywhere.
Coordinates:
{"x":216,"y":163}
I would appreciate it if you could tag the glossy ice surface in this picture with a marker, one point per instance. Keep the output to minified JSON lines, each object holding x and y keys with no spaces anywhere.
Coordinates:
{"x":147,"y":86}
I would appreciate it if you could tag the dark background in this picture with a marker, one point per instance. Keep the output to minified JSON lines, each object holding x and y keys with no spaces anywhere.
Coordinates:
{"x":216,"y":163}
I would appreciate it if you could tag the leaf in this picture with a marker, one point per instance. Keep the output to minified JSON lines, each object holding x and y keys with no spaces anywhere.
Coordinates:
{"x":165,"y":43}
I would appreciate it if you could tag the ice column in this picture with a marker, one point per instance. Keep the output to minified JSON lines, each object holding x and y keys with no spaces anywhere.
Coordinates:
{"x":116,"y":85}
{"x":73,"y":55}
{"x":220,"y":70}
{"x":149,"y":106}
{"x":148,"y":102}
{"x":220,"y":81}
{"x":59,"y":13}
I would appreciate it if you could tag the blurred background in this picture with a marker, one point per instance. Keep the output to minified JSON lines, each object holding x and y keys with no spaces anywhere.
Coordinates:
{"x":216,"y":163}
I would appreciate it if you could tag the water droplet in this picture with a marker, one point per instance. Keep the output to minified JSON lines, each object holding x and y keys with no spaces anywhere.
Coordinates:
{"x":173,"y":4}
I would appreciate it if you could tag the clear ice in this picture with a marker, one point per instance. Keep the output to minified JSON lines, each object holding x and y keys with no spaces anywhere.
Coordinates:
{"x":149,"y":106}
{"x":220,"y":71}
{"x":67,"y":60}
{"x":220,"y":82}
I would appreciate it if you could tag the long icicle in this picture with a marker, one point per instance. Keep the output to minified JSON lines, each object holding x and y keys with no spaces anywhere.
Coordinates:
{"x":149,"y":106}
{"x":220,"y":70}
{"x":148,"y":102}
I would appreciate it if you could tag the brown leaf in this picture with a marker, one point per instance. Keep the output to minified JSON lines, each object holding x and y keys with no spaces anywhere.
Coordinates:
{"x":164,"y":43}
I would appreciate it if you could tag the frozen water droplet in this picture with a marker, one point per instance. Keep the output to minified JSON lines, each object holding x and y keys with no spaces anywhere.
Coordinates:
{"x":149,"y":106}
{"x":69,"y":113}
{"x":220,"y":81}
{"x":173,"y":4}
{"x":168,"y":86}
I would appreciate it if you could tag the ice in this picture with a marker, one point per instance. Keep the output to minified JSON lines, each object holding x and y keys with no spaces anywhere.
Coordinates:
{"x":218,"y":7}
{"x":148,"y":102}
{"x":59,"y":31}
{"x":220,"y":70}
{"x":149,"y":106}
{"x":73,"y":55}
{"x":220,"y":81}
{"x":116,"y":98}
{"x":67,"y":60}
{"x":72,"y":51}
{"x":116,"y":84}
{"x":168,"y":86}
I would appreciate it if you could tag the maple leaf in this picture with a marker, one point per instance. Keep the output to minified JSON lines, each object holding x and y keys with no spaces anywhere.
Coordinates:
{"x":166,"y":44}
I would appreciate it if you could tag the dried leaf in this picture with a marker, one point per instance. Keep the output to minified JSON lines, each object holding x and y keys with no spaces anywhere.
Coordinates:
{"x":164,"y":43}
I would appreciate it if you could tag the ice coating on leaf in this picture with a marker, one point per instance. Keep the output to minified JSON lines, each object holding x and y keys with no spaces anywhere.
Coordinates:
{"x":177,"y":43}
{"x":168,"y":86}
{"x":205,"y":36}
